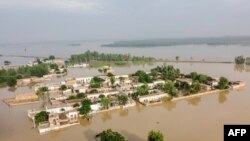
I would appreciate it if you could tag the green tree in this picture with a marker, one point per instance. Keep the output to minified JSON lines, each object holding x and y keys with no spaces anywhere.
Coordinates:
{"x":76,"y":105}
{"x":101,"y":96}
{"x":51,"y":57}
{"x":96,"y":82}
{"x":169,"y":73}
{"x":80,"y":95}
{"x":11,"y":81}
{"x":41,"y":117}
{"x":53,"y":66}
{"x":143,"y":77}
{"x":123,"y":100}
{"x":143,"y":90}
{"x":85,"y":108}
{"x":186,"y":88}
{"x":223,"y":83}
{"x":39,"y":70}
{"x":170,"y":88}
{"x":105,"y":102}
{"x":110,"y":135}
{"x":110,"y":74}
{"x":177,"y":58}
{"x":96,"y":56}
{"x":63,"y":88}
{"x":155,"y":136}
{"x":239,"y":60}
{"x":195,"y":87}
{"x":42,"y":90}
{"x":112,"y":80}
{"x":71,"y":97}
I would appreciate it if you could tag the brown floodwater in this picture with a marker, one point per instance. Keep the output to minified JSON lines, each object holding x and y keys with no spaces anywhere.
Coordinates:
{"x":197,"y":119}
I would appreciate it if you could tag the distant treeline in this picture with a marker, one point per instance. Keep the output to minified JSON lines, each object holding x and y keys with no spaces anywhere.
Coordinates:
{"x":244,"y":40}
{"x":242,"y":60}
{"x":9,"y":76}
{"x":96,"y":56}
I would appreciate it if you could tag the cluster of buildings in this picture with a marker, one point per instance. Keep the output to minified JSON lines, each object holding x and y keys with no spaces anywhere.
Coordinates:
{"x":66,"y":97}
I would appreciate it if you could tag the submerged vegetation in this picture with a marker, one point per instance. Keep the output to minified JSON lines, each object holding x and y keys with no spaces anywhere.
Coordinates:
{"x":10,"y":76}
{"x":241,"y":60}
{"x":155,"y":136}
{"x":95,"y":57}
{"x":109,"y":135}
{"x":41,"y":117}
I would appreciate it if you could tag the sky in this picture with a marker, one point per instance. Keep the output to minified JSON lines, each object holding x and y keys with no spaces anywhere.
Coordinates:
{"x":61,"y":20}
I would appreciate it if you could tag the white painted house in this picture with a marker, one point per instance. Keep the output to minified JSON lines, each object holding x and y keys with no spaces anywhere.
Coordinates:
{"x":152,"y":98}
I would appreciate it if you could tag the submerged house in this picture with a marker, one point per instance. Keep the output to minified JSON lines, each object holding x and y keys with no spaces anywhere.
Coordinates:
{"x":59,"y":120}
{"x":152,"y":98}
{"x":83,"y":80}
{"x":24,"y":98}
{"x":184,"y":80}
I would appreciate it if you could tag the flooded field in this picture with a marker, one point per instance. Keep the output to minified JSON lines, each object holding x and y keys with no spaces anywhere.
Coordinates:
{"x":196,"y":119}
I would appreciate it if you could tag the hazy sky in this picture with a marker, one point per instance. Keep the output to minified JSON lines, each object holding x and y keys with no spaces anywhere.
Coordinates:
{"x":53,"y":20}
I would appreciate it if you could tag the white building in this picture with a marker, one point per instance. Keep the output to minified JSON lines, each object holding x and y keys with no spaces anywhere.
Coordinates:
{"x":152,"y":98}
{"x":96,"y":95}
{"x":85,"y":80}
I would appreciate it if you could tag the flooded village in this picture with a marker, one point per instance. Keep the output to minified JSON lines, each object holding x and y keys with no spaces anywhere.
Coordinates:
{"x":81,"y":97}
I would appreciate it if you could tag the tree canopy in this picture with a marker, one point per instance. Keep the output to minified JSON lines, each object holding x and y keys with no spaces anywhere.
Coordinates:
{"x":96,"y":82}
{"x":155,"y":136}
{"x":123,"y":100}
{"x":140,"y":91}
{"x":223,"y":83}
{"x":9,"y":76}
{"x":105,"y":102}
{"x":109,"y":135}
{"x":169,"y":88}
{"x":143,"y":77}
{"x":165,"y":72}
{"x":41,"y":117}
{"x":96,"y":56}
{"x":85,"y":108}
{"x":239,"y":60}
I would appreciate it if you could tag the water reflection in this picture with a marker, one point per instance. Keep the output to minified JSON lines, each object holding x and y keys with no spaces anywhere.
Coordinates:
{"x":123,"y":112}
{"x":139,"y":107}
{"x":45,"y":99}
{"x":85,"y":122}
{"x":239,"y":68}
{"x":90,"y":134}
{"x":131,"y":136}
{"x":194,"y":101}
{"x":247,"y":68}
{"x":242,"y":68}
{"x":106,"y":116}
{"x":12,"y":89}
{"x":169,"y":105}
{"x":56,"y":133}
{"x":223,"y":96}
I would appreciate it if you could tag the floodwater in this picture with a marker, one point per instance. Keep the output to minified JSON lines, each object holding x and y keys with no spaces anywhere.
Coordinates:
{"x":197,"y":119}
{"x":64,"y":50}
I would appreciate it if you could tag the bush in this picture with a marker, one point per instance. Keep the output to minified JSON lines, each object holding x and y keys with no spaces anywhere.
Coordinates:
{"x":239,"y":60}
{"x":155,"y":136}
{"x":41,"y":117}
{"x":110,"y":135}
